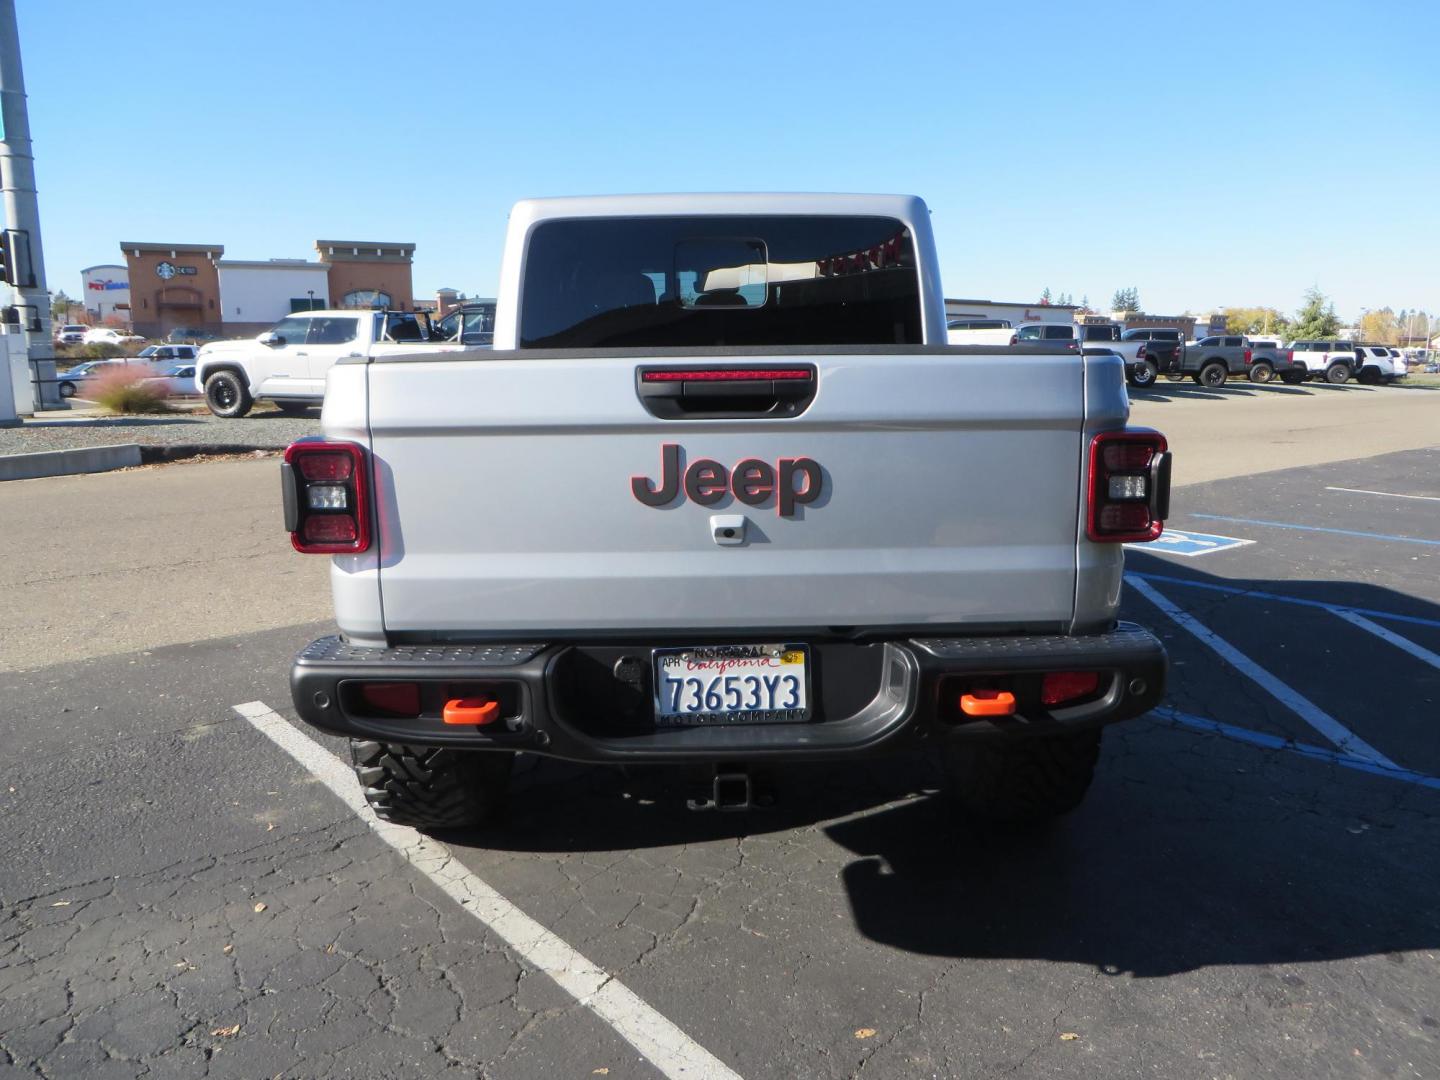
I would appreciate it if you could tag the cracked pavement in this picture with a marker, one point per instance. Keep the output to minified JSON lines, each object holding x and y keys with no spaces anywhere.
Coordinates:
{"x":1215,"y":909}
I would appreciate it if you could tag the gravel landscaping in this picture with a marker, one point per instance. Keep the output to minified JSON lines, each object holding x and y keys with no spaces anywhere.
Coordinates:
{"x":262,"y":429}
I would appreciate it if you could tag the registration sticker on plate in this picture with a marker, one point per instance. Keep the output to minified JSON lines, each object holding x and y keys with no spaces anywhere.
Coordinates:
{"x":732,"y":684}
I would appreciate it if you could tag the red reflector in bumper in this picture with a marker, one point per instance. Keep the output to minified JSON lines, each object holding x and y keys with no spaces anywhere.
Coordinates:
{"x":400,"y":699}
{"x":1062,"y":686}
{"x":471,"y":710}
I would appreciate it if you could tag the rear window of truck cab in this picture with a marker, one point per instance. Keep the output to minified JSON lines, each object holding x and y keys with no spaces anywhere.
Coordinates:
{"x":719,"y":280}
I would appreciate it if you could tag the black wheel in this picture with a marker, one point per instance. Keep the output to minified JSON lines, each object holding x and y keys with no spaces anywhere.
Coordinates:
{"x":292,"y":407}
{"x":1021,"y":779}
{"x":1337,"y":373}
{"x":227,"y":395}
{"x":1261,"y":372}
{"x":1145,"y":373}
{"x":67,"y":389}
{"x":1212,"y":375}
{"x":1368,"y":377}
{"x":1292,"y":378}
{"x":431,"y":788}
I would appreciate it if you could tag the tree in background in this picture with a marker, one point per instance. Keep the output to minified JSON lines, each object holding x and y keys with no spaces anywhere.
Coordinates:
{"x":1085,"y":305}
{"x":1316,"y":318}
{"x":1381,"y":326}
{"x":60,"y":307}
{"x":1064,"y":299}
{"x":1045,"y":296}
{"x":1255,"y":320}
{"x":1126,"y":300}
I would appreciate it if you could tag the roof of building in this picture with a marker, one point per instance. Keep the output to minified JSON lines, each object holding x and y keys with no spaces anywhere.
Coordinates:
{"x":365,"y":244}
{"x":272,"y":264}
{"x":1016,"y":303}
{"x":131,"y":245}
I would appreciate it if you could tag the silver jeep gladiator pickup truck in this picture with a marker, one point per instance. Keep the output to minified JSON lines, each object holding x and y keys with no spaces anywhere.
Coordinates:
{"x":721,"y":495}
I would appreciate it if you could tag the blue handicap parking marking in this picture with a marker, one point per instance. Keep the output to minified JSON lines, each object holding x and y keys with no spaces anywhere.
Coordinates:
{"x":1190,"y":544}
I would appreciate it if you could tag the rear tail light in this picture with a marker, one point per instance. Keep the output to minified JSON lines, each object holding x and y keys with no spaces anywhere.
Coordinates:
{"x":327,"y":504}
{"x":1128,"y":494}
{"x":1014,"y":339}
{"x":1247,"y":356}
{"x":1140,"y":355}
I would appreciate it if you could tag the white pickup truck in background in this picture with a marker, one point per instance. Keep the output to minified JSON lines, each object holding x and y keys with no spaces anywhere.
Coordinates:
{"x":979,"y":332}
{"x":721,"y":495}
{"x":289,"y":362}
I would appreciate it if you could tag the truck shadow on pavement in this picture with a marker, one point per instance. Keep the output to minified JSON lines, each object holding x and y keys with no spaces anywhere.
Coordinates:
{"x":1191,"y":850}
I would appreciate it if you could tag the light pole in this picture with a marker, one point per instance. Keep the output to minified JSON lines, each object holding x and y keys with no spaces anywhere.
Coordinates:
{"x":22,"y":213}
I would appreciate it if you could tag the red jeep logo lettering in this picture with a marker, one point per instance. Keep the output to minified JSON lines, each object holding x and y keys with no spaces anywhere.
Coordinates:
{"x":793,"y":481}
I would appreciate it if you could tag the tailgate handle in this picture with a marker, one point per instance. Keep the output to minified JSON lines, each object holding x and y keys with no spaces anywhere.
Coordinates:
{"x":675,"y":393}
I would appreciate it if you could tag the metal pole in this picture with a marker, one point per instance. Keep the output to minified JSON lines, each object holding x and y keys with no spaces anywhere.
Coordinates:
{"x":22,"y":209}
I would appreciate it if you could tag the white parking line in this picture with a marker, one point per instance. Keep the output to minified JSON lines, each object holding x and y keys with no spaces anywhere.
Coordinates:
{"x":1387,"y":494}
{"x":1417,"y":651}
{"x":663,"y":1044}
{"x":1297,"y":702}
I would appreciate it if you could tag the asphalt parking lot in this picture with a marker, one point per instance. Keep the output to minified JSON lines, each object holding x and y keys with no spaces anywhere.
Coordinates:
{"x":1249,"y":890}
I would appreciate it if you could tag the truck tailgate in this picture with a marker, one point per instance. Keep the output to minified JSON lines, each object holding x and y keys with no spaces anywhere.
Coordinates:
{"x":948,"y":496}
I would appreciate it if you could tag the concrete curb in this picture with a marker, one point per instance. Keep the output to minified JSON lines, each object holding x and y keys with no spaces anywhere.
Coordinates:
{"x":89,"y":459}
{"x":152,"y":455}
{"x":93,"y":459}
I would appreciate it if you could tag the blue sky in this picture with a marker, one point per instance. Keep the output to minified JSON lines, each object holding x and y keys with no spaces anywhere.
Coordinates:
{"x":1208,"y":154}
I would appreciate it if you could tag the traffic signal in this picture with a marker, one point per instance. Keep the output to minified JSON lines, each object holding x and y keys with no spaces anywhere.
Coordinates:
{"x":15,"y":265}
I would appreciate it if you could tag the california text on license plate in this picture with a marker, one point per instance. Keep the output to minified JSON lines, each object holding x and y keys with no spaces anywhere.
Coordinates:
{"x":732,"y":684}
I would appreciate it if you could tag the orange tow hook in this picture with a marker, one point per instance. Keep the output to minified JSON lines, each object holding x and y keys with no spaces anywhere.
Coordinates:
{"x":471,"y":710}
{"x":988,"y":703}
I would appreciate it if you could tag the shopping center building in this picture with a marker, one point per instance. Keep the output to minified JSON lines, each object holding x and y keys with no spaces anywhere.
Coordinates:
{"x":192,"y":286}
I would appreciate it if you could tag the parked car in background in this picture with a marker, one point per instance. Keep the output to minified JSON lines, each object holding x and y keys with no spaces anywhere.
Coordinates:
{"x":72,"y":381}
{"x":70,"y":334}
{"x":108,"y":335}
{"x":159,"y":354}
{"x":1212,"y":360}
{"x":178,"y":380}
{"x":288,"y":364}
{"x":469,"y":324}
{"x":1154,"y":333}
{"x":1333,"y":361}
{"x":189,"y":335}
{"x":1376,"y":364}
{"x":1140,"y":370}
{"x":978,"y":331}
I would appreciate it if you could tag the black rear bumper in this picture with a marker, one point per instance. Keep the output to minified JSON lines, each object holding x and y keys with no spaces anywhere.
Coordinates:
{"x":593,"y":702}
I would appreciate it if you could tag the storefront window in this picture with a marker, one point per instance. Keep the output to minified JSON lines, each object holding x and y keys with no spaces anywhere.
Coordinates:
{"x":365,"y":298}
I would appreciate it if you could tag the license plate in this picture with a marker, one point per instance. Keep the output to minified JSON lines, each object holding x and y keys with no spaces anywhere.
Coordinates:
{"x":732,"y":684}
